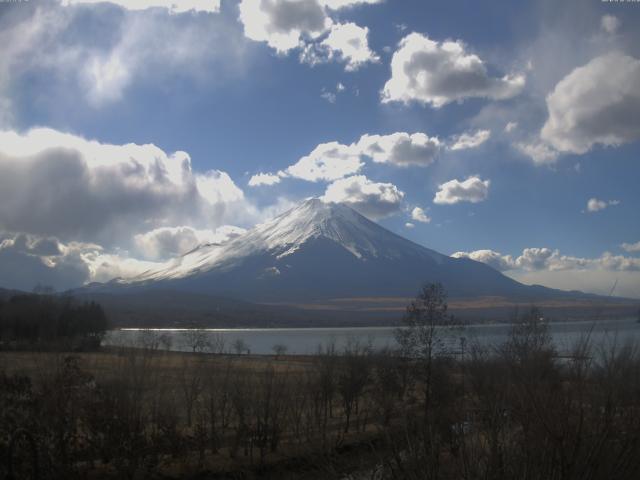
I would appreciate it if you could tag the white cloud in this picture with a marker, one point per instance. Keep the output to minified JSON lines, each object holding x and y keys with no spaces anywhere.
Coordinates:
{"x":28,"y":260}
{"x":536,"y":259}
{"x":328,"y":96}
{"x":348,"y":42}
{"x":510,"y":126}
{"x":610,"y":23}
{"x":419,"y":215}
{"x":493,"y":259}
{"x":105,"y":79}
{"x":473,"y":190}
{"x":104,"y":266}
{"x":338,"y":4}
{"x":174,"y":6}
{"x":283,"y":24}
{"x":409,"y":225}
{"x":539,"y":152}
{"x":598,"y":103}
{"x":400,"y":148}
{"x":372,"y":199}
{"x":471,"y":140}
{"x":631,"y":247}
{"x":595,"y":205}
{"x":57,"y":184}
{"x":132,"y":47}
{"x":328,"y":161}
{"x":24,"y":263}
{"x":263,"y":179}
{"x":333,"y":160}
{"x":168,"y":242}
{"x":436,"y":73}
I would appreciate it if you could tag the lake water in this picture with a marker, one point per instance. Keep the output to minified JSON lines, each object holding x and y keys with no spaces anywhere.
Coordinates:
{"x":304,"y":341}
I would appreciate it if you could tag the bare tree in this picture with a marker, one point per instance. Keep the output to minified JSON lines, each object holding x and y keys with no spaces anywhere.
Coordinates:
{"x":240,"y":346}
{"x":217,"y":343}
{"x":279,"y":349}
{"x":196,"y":339}
{"x":352,"y":379}
{"x":191,"y":380}
{"x":426,"y":326}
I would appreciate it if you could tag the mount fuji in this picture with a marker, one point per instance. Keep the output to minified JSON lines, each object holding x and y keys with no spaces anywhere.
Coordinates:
{"x":321,"y":251}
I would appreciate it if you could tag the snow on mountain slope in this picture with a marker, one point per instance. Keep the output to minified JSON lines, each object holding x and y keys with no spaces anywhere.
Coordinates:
{"x":287,"y":233}
{"x":318,"y":250}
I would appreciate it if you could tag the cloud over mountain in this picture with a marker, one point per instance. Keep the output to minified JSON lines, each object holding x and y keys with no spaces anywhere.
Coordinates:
{"x":58,"y":184}
{"x":372,"y":199}
{"x":168,"y":242}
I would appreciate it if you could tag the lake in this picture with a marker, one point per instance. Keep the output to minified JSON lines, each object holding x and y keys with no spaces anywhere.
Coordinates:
{"x":304,"y":341}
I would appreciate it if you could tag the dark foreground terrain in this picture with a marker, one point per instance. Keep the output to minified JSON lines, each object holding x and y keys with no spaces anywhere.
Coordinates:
{"x":517,"y":412}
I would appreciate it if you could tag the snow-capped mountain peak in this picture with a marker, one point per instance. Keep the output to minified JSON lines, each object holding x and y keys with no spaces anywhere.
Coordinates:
{"x":320,"y":250}
{"x":287,"y":233}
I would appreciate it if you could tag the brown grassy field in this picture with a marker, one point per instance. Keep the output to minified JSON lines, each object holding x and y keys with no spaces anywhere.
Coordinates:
{"x":517,"y":411}
{"x":258,"y":403}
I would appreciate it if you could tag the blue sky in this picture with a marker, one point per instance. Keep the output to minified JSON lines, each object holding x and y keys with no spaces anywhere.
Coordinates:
{"x":547,"y":96}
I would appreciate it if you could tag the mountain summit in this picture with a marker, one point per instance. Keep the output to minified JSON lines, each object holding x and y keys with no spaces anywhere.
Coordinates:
{"x":320,"y":251}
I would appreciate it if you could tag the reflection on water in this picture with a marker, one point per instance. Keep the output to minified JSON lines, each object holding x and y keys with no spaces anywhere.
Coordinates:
{"x":303,"y":341}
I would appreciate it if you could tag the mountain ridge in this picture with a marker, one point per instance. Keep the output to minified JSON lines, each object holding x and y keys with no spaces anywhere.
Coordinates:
{"x":321,"y":250}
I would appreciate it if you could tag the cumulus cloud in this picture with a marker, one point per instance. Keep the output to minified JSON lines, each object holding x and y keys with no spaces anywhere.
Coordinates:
{"x":537,"y":259}
{"x":372,"y":199}
{"x":473,"y":190}
{"x":168,"y":242}
{"x":283,"y":24}
{"x":333,"y":160}
{"x":598,"y":103}
{"x":435,"y":73}
{"x":28,"y":260}
{"x":539,"y":152}
{"x":104,"y":266}
{"x":24,"y":263}
{"x":263,"y":179}
{"x":471,"y":140}
{"x":58,"y":184}
{"x":409,"y":225}
{"x":631,"y":247}
{"x":400,"y":148}
{"x":595,"y":205}
{"x":327,"y":162}
{"x":174,"y":6}
{"x":419,"y":215}
{"x":286,"y":25}
{"x":349,"y":42}
{"x":493,"y":259}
